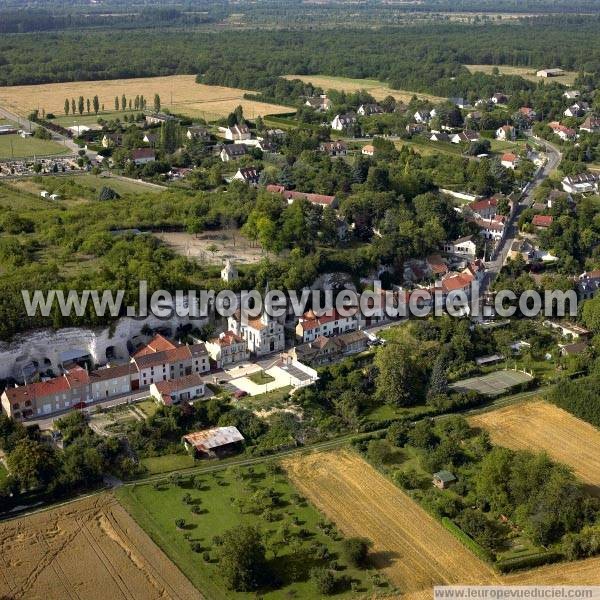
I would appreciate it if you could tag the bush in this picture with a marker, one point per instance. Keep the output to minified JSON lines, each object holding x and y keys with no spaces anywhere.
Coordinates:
{"x":467,"y":541}
{"x":324,"y":580}
{"x":180,"y":523}
{"x":355,"y":551}
{"x":196,"y":547}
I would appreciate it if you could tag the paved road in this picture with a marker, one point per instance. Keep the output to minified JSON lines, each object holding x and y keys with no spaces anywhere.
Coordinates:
{"x":493,"y":267}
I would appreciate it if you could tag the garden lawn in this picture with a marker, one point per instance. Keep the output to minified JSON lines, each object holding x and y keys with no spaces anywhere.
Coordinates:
{"x":167,"y":462}
{"x":3,"y":473}
{"x":156,"y":510}
{"x":18,"y":147}
{"x":260,"y":378}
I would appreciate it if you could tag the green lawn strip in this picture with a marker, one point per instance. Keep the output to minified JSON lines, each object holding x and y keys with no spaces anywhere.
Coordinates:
{"x":261,"y":378}
{"x":3,"y":472}
{"x":168,"y":462}
{"x":18,"y":147}
{"x":156,"y":510}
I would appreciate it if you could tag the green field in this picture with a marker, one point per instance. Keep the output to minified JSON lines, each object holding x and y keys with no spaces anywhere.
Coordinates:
{"x":168,"y":462}
{"x":228,"y":499}
{"x":14,"y":146}
{"x":92,"y":119}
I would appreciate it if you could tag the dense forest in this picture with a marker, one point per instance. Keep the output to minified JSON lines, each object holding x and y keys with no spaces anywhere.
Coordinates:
{"x":425,"y":58}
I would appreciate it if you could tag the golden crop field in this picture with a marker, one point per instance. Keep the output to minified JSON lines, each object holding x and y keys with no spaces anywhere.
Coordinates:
{"x":540,"y":426}
{"x":377,"y":89}
{"x":88,"y":549}
{"x":525,"y":72}
{"x":414,"y":550}
{"x":178,"y":93}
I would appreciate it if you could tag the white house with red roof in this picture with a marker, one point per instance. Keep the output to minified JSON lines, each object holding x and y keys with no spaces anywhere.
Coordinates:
{"x":486,"y":208}
{"x":509,"y":160}
{"x":506,"y":132}
{"x":312,"y":325}
{"x":175,"y":391}
{"x":562,"y":131}
{"x":292,"y":195}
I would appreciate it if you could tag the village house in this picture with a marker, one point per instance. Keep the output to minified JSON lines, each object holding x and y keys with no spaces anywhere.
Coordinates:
{"x":464,"y":246}
{"x":581,"y":184}
{"x":570,"y":331}
{"x":310,"y":325}
{"x":175,"y":391}
{"x":212,"y":443}
{"x":588,"y":284}
{"x":232,"y":151}
{"x":461,"y":103}
{"x":159,"y":360}
{"x":341,"y":122}
{"x":590,"y":125}
{"x":325,"y":350}
{"x":292,"y":195}
{"x":577,"y":110}
{"x":439,"y":136}
{"x":491,"y":229}
{"x":364,"y":110}
{"x":528,"y":113}
{"x":111,"y":140}
{"x":415,"y":128}
{"x":334,"y":148}
{"x":319,"y":103}
{"x":486,"y":208}
{"x":143,"y":156}
{"x":368,"y":150}
{"x":249,"y":175}
{"x":465,"y":137}
{"x":263,"y":334}
{"x":510,"y":160}
{"x":562,"y":131}
{"x":197,"y":132}
{"x":541,"y":221}
{"x":572,"y":94}
{"x":159,"y":118}
{"x":150,"y":138}
{"x":162,"y":360}
{"x":506,"y":132}
{"x":236,"y":132}
{"x":227,"y":349}
{"x":422,"y":116}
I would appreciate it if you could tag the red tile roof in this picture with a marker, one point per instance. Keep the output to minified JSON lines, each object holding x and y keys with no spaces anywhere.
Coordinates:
{"x":41,"y":389}
{"x":183,"y":383}
{"x":542,"y":221}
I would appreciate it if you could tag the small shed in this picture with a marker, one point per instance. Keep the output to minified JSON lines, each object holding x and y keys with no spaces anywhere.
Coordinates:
{"x":443,"y":479}
{"x":213,"y":442}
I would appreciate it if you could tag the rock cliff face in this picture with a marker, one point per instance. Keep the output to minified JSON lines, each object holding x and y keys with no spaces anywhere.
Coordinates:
{"x":47,"y":349}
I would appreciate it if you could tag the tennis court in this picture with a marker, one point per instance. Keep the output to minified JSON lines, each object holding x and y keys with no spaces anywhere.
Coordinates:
{"x":492,"y":384}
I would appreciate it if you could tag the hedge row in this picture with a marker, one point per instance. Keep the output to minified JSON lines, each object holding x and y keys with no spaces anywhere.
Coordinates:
{"x":467,"y":541}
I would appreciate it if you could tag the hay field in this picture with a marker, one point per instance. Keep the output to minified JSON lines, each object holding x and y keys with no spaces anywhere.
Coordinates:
{"x":540,"y":426}
{"x":414,"y":551}
{"x":525,"y":72}
{"x":178,"y":93}
{"x":377,"y":89}
{"x":90,"y":549}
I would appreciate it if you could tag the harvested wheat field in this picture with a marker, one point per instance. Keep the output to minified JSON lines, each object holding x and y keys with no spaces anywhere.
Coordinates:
{"x":413,"y":550}
{"x":583,"y":572}
{"x":377,"y":89}
{"x":540,"y":426}
{"x":178,"y":93}
{"x":90,"y":549}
